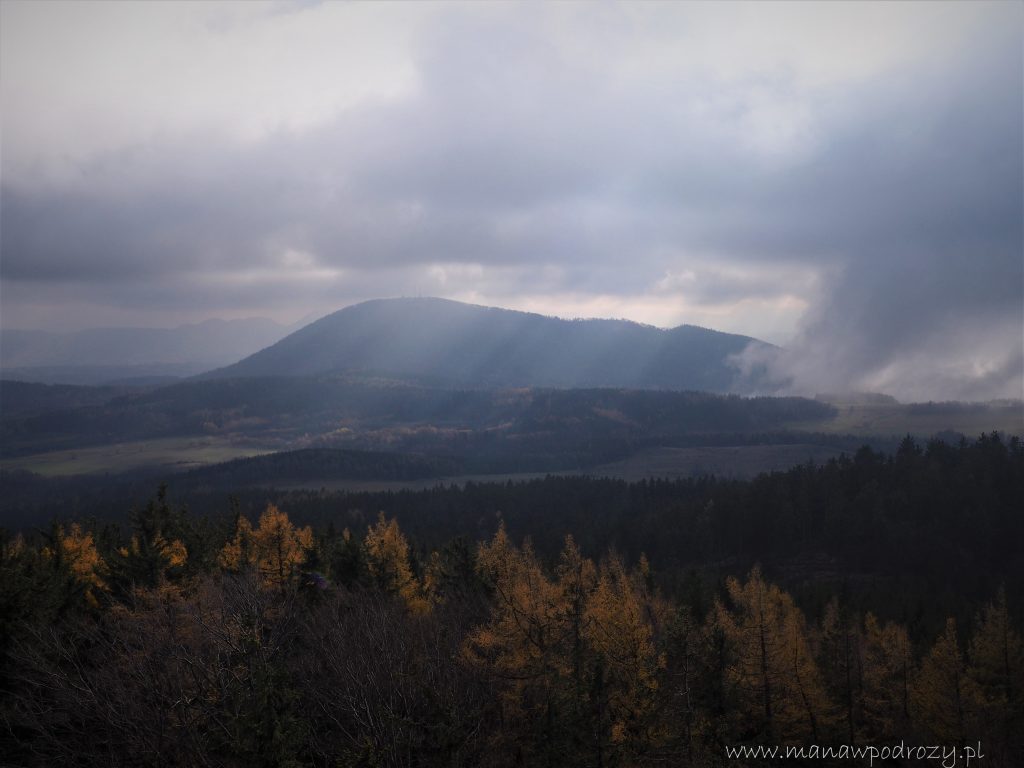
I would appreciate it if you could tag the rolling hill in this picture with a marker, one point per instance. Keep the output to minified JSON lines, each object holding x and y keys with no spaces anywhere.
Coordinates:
{"x":438,"y":340}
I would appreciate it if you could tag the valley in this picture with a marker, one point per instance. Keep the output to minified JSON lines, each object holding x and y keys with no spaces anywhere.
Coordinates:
{"x":476,"y":431}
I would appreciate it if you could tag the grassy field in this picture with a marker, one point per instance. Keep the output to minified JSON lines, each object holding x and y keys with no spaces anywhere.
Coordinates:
{"x":920,"y":419}
{"x":179,"y":453}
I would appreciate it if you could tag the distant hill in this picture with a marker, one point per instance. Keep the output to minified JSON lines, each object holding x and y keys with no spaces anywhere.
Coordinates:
{"x":132,"y":355}
{"x":437,"y":340}
{"x":144,"y":375}
{"x":20,"y":399}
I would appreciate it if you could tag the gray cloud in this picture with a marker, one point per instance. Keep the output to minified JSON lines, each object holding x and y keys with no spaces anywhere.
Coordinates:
{"x":883,"y":207}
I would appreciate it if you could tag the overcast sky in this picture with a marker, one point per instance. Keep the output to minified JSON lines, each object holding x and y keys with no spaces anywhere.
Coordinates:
{"x":844,"y":180}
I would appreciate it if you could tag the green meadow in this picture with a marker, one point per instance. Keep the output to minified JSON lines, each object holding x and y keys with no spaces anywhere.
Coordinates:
{"x":179,"y":453}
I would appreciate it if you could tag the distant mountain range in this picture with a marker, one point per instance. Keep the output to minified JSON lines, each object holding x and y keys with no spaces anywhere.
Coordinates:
{"x":442,"y":341}
{"x":132,"y":355}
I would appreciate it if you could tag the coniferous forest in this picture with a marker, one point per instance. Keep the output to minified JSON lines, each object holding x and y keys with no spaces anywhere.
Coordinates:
{"x":560,"y":622}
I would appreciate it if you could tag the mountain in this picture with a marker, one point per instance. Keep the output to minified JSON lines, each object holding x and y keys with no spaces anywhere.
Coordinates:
{"x":438,"y":340}
{"x":132,"y":355}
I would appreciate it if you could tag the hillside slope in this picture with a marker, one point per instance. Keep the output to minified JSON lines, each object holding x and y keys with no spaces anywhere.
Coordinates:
{"x":469,"y":345}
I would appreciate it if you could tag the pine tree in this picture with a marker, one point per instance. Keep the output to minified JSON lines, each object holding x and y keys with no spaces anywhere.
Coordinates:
{"x":841,"y":649}
{"x":156,"y":553}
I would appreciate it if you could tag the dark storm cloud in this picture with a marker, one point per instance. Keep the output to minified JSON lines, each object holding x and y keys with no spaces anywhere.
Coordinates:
{"x":922,"y":208}
{"x":892,"y":206}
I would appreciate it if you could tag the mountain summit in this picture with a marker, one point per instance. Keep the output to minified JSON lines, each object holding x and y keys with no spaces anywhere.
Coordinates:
{"x":474,"y":346}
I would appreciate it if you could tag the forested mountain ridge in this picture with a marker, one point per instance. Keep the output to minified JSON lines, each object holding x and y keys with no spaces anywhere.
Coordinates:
{"x":475,"y":346}
{"x":350,"y":411}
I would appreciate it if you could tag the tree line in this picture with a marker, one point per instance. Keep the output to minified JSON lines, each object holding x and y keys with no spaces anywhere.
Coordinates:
{"x":252,"y":640}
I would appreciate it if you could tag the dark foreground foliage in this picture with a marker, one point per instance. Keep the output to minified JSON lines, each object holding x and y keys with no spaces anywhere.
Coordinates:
{"x":237,"y":640}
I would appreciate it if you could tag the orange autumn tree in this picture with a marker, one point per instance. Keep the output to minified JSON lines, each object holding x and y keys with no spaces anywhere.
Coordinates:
{"x":275,"y":547}
{"x":236,"y":555}
{"x":772,"y":673}
{"x":577,"y":578}
{"x":620,"y":636}
{"x":526,"y":645}
{"x":574,"y":653}
{"x":279,"y":547}
{"x":888,"y":671}
{"x":997,"y":668}
{"x":523,"y":641}
{"x":77,"y":550}
{"x":945,"y":699}
{"x":387,"y":554}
